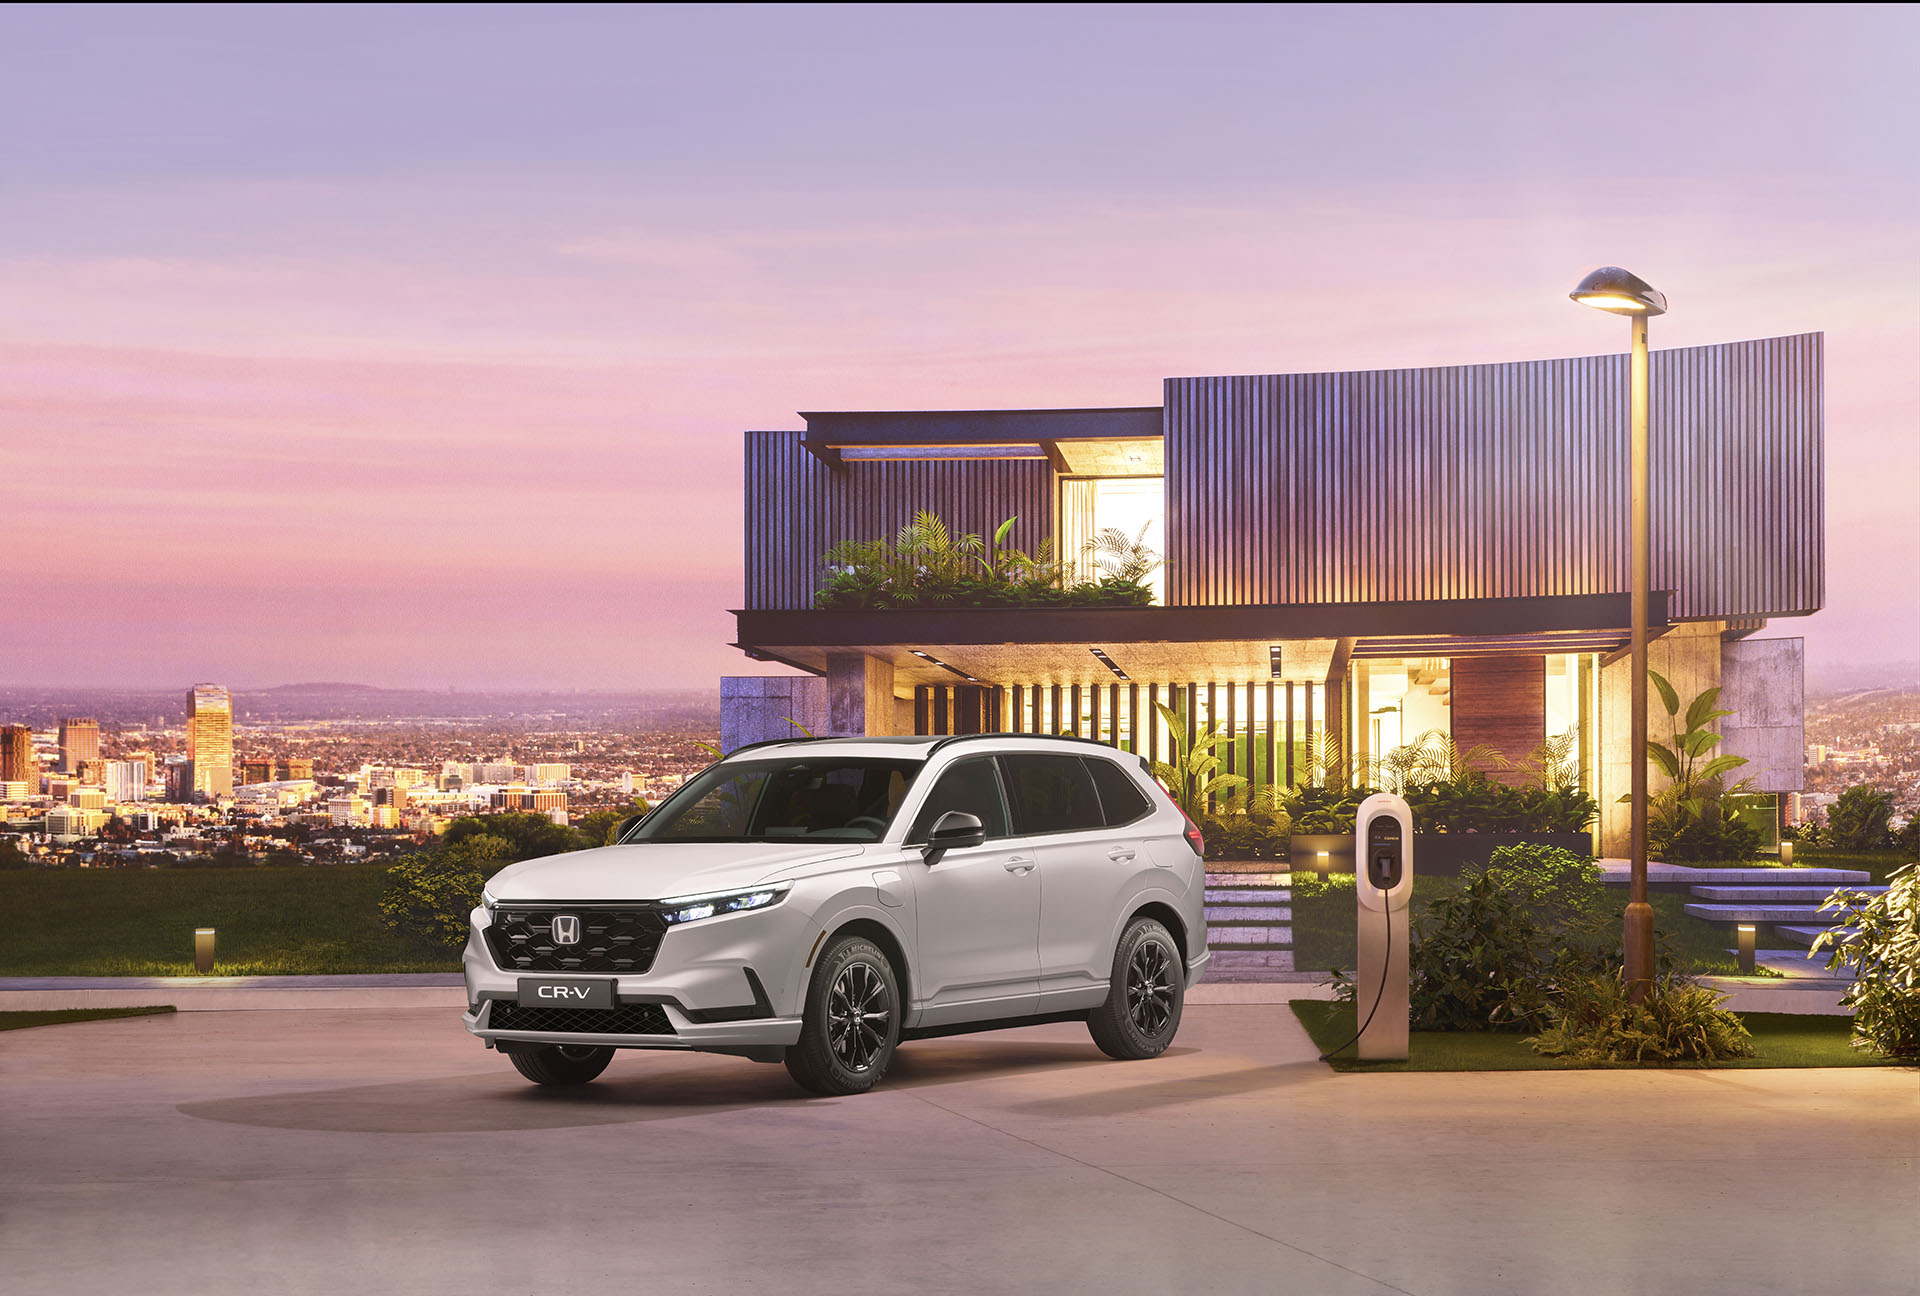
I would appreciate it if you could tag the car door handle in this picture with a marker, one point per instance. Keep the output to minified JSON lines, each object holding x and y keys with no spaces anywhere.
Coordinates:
{"x":1120,"y":853}
{"x":1019,"y":864}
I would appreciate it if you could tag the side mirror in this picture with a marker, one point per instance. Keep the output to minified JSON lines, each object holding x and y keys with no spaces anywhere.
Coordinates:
{"x":627,"y":825}
{"x":954,"y":830}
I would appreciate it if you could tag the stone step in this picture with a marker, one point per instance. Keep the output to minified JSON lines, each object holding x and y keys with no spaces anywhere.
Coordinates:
{"x":1801,"y":935}
{"x":1262,"y":879}
{"x":1779,"y":894}
{"x":1759,"y":913}
{"x":1248,"y":960}
{"x":1218,"y":915}
{"x":1615,"y":871}
{"x":1249,"y":895}
{"x":1235,"y":935}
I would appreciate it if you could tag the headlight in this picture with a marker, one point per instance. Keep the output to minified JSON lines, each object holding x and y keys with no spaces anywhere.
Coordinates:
{"x":684,"y":909}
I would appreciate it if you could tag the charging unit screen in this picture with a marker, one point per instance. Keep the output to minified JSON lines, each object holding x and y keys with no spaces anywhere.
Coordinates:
{"x":1383,"y":853}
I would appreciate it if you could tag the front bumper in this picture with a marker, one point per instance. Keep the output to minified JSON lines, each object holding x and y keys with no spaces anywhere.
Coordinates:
{"x":699,"y":972}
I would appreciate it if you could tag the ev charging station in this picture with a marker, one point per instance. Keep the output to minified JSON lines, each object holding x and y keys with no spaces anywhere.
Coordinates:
{"x":1383,"y":883}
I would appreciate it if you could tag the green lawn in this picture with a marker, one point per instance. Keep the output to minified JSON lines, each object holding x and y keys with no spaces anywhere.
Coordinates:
{"x":140,"y":922}
{"x":56,"y":1016}
{"x":1324,"y":920}
{"x":1779,"y":1040}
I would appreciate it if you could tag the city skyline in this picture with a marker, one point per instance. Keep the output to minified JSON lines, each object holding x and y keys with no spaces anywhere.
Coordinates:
{"x":423,"y":385}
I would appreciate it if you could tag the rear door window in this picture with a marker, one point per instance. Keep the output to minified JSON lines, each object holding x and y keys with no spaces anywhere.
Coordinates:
{"x":1121,"y":799}
{"x":1050,"y":794}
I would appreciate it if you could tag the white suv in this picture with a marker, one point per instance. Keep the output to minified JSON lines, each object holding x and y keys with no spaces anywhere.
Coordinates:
{"x":818,"y":901}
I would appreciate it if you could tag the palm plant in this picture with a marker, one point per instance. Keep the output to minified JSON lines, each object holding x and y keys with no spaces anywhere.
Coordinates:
{"x":1696,"y":816}
{"x":1120,"y":557}
{"x":1193,"y":775}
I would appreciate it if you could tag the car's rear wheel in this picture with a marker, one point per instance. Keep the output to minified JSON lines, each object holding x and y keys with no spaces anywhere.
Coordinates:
{"x":560,"y":1064}
{"x":1146,"y":994}
{"x":851,"y":1022}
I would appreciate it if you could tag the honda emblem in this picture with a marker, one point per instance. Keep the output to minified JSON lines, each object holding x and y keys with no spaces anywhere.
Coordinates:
{"x":566,"y":929}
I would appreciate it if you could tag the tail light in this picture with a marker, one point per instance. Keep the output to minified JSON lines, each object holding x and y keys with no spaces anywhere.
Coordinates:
{"x":1193,"y":834}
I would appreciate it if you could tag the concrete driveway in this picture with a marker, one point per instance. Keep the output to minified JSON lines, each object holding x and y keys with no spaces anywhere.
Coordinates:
{"x":381,"y":1150}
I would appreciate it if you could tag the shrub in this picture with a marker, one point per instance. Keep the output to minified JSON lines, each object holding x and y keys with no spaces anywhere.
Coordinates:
{"x":1592,"y":1020}
{"x":1858,"y":819}
{"x":1562,"y":889}
{"x":430,"y":895}
{"x":1879,"y":938}
{"x":1478,"y":961}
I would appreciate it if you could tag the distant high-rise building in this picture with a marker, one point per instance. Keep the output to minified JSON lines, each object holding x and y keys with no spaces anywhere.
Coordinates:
{"x":79,"y":741}
{"x":298,"y":767}
{"x":17,"y":764}
{"x":554,"y":772}
{"x":210,"y":739}
{"x":126,"y":780}
{"x":256,"y":770}
{"x":626,"y":783}
{"x":92,"y":772}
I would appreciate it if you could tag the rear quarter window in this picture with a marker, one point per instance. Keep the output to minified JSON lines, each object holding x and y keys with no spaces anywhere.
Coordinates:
{"x":1121,"y":800}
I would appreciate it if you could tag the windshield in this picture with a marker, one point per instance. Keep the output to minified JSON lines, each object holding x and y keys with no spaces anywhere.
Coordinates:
{"x":816,"y":798}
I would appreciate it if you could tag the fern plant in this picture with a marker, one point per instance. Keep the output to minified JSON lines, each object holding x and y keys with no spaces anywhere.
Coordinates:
{"x":1879,"y":938}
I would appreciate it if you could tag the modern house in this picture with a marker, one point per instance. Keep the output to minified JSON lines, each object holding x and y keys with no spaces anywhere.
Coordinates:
{"x":1372,"y":555}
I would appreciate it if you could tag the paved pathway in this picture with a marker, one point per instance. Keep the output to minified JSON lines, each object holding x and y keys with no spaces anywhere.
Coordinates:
{"x":307,"y":1153}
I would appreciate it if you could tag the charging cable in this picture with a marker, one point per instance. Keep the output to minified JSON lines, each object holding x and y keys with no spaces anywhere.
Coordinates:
{"x":1386,"y":962}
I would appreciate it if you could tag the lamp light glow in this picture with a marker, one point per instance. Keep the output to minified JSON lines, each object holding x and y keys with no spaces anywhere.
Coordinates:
{"x":1619,"y":292}
{"x":203,"y":949}
{"x":1747,"y":933}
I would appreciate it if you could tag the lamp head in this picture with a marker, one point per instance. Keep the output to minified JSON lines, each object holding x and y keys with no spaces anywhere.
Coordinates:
{"x":1619,"y":292}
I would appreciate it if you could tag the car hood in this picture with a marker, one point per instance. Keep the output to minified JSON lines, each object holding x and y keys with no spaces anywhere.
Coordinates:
{"x":657,"y":870}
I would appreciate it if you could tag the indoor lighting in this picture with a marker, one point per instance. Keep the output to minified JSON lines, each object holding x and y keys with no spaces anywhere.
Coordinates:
{"x":929,"y":657}
{"x":1273,"y":659}
{"x":1108,"y":663}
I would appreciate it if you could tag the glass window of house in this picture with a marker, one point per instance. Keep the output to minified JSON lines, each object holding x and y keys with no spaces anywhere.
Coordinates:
{"x":1050,"y":794}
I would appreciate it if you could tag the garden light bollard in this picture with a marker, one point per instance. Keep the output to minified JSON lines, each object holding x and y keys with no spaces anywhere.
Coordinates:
{"x":1786,"y":852}
{"x":1383,"y":888}
{"x":1746,"y":932}
{"x":203,"y":949}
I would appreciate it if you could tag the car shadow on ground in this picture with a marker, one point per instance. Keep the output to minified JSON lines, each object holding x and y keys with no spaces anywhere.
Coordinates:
{"x":633,"y":1089}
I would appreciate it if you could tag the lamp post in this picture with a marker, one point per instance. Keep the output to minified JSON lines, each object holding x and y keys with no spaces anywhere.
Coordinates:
{"x":1618,"y":292}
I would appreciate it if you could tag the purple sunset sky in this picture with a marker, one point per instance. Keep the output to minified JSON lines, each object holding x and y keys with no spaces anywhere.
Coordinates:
{"x":413,"y":346}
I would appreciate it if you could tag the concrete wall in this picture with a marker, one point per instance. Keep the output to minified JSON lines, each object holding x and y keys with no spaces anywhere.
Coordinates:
{"x":1689,"y":657}
{"x":755,"y":708}
{"x":1762,"y":684}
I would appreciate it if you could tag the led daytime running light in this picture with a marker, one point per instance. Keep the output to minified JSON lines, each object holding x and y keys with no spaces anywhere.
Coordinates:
{"x":693,"y":908}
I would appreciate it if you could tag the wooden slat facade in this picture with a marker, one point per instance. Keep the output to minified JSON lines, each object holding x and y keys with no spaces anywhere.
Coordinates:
{"x":1501,"y":481}
{"x":798,"y":507}
{"x":1500,"y":702}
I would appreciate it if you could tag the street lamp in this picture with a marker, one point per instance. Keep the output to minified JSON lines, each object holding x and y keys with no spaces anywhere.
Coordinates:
{"x":1619,"y":292}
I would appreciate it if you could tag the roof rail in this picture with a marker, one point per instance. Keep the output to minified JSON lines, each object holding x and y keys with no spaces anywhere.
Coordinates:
{"x":950,"y":739}
{"x":774,"y":742}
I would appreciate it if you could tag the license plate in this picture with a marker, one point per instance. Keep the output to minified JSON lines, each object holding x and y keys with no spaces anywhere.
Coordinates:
{"x":565,"y":992}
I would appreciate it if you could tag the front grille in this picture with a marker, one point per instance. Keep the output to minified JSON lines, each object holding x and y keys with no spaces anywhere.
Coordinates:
{"x":626,"y":1019}
{"x":611,"y":940}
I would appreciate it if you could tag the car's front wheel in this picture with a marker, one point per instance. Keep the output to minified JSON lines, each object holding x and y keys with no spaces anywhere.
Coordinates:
{"x":560,"y":1064}
{"x":851,"y":1022}
{"x":1148,"y":990}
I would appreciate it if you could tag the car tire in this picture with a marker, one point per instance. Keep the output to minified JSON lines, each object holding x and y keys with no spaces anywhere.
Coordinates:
{"x":851,"y":1021}
{"x":1146,"y":994}
{"x":560,"y":1064}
